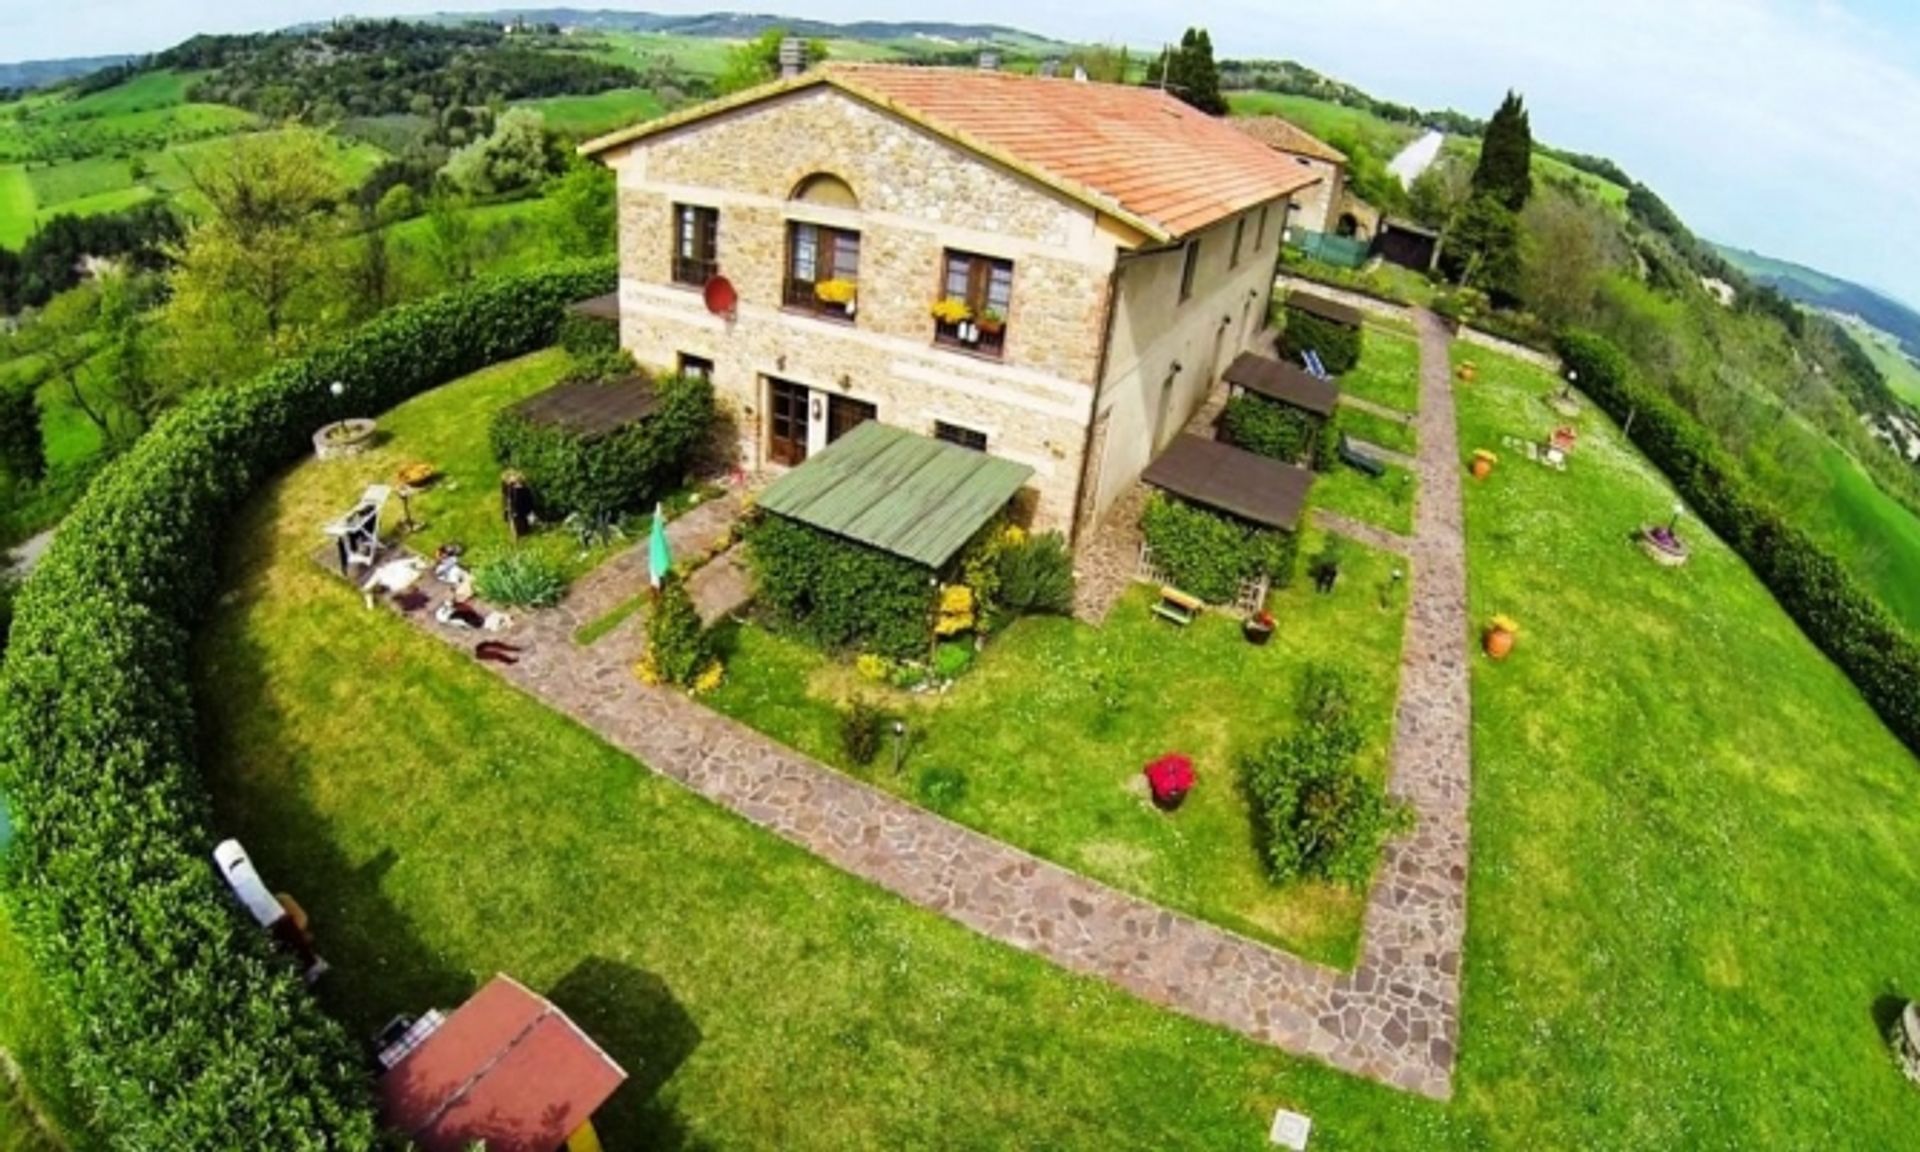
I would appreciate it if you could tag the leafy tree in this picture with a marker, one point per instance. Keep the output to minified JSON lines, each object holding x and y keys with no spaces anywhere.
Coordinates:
{"x":518,"y":155}
{"x":256,"y":279}
{"x":1192,"y":75}
{"x":1437,"y":195}
{"x":1485,"y":251}
{"x":452,"y":245}
{"x":1103,"y":63}
{"x":1505,"y":171}
{"x":397,"y":203}
{"x":65,"y":339}
{"x":23,"y":452}
{"x":1565,"y":252}
{"x":128,"y":378}
{"x":583,"y":204}
{"x":758,"y":61}
{"x":371,"y":274}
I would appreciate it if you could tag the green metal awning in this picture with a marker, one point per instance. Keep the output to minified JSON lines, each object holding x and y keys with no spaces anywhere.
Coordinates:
{"x":902,"y":493}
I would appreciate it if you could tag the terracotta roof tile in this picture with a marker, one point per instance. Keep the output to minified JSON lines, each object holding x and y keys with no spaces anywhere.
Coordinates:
{"x":1285,"y":136}
{"x":1157,"y":159}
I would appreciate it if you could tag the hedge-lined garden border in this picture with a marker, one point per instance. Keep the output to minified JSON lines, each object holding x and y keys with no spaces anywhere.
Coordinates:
{"x":186,"y":1031}
{"x":1842,"y":620}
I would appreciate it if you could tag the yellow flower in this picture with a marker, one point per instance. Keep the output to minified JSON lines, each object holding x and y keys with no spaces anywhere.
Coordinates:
{"x":956,"y":610}
{"x":646,"y":670}
{"x":1505,"y":624}
{"x":952,"y":310}
{"x":710,"y":678}
{"x":835,"y":291}
{"x":1013,"y":536}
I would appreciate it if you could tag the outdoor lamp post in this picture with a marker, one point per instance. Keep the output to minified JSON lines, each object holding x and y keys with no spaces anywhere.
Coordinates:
{"x":899,"y":745}
{"x":1679,"y":510}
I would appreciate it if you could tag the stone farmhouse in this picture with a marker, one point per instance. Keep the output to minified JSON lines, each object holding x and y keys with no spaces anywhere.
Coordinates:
{"x":1051,"y":271}
{"x":1318,"y":207}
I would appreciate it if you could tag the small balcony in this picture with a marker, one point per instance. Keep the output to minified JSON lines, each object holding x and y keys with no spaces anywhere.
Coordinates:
{"x":804,"y":296}
{"x":971,"y":336}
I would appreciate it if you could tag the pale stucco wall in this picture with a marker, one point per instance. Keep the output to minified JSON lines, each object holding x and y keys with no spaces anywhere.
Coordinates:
{"x":917,"y":197}
{"x":1316,"y":208}
{"x":1167,"y":354}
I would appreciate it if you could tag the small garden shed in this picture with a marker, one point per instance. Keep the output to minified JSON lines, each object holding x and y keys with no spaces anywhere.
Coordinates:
{"x":603,"y":447}
{"x":859,"y":538}
{"x":1226,"y":528}
{"x":1279,"y":410}
{"x":1328,"y":329}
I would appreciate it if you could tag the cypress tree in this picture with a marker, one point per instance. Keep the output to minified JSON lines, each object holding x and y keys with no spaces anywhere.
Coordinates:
{"x":1193,"y":76}
{"x":1505,"y":171}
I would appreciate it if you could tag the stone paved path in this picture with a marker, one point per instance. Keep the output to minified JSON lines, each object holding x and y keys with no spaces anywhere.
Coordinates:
{"x":1394,"y":1018}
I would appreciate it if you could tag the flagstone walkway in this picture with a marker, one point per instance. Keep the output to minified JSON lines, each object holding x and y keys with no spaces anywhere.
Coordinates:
{"x":1394,"y":1018}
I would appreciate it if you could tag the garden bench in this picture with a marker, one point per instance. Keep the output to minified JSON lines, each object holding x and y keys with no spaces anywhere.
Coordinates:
{"x":1177,"y":606}
{"x":1358,"y":460}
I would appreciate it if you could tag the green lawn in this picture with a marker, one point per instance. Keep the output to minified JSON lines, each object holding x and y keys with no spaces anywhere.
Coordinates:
{"x":1397,"y":435}
{"x":582,"y":117}
{"x":698,"y":55}
{"x":1876,"y":534}
{"x":56,"y":184}
{"x":1383,"y":501}
{"x":1388,"y":372}
{"x":440,"y":827}
{"x":1051,"y":769}
{"x":1692,"y":866}
{"x":1326,"y":120}
{"x":16,"y":206}
{"x":1903,"y":375}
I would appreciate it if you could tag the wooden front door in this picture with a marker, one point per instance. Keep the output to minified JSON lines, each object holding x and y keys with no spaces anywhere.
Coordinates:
{"x":786,"y":422}
{"x":844,"y":414}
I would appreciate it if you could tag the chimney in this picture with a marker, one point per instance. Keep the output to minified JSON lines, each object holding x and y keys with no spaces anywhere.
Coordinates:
{"x":1050,"y":66}
{"x":1079,"y":74}
{"x":793,"y":57}
{"x":989,"y":61}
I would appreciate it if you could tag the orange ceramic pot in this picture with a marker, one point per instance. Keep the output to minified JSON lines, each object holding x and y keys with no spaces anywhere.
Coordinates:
{"x":1498,"y":643}
{"x":1468,"y":372}
{"x":1481,"y":467}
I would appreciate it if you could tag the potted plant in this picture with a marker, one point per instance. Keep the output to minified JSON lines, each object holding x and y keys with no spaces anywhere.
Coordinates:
{"x":1258,"y":627}
{"x":837,"y":292}
{"x":952,"y":311}
{"x":1170,"y":778}
{"x":1500,"y":635}
{"x":1468,"y":371}
{"x":991,"y":321}
{"x":1483,"y":462}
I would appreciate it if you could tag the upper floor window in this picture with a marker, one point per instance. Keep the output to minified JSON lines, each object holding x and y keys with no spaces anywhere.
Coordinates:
{"x":1260,"y":232}
{"x":1239,"y":241}
{"x":823,"y":270}
{"x":1189,"y":264}
{"x":696,"y":244}
{"x":976,"y":294}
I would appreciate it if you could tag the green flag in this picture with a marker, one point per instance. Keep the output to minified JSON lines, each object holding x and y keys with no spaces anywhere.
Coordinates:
{"x":659,"y":559}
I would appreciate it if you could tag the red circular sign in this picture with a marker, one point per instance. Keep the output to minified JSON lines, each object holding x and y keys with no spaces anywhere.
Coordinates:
{"x":720,"y":296}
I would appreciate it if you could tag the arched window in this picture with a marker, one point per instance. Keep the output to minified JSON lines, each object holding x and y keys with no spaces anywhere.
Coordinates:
{"x":826,"y":189}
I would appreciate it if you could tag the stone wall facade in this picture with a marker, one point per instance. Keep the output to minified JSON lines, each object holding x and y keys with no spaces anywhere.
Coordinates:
{"x":915,"y":197}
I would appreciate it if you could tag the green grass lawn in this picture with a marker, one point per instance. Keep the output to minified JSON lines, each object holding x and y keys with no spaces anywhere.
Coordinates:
{"x":582,"y":117}
{"x":1903,"y":375}
{"x":1053,"y":770}
{"x":698,"y":55}
{"x":440,"y":827}
{"x":1326,"y":120}
{"x":1692,"y":862}
{"x":16,"y":205}
{"x":56,"y":184}
{"x":1397,"y":435}
{"x":1383,"y":501}
{"x":1876,"y":534}
{"x":1388,"y":372}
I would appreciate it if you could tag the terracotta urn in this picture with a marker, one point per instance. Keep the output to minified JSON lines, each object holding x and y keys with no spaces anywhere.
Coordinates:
{"x":1468,"y":373}
{"x":1500,"y":636}
{"x":1483,"y":462}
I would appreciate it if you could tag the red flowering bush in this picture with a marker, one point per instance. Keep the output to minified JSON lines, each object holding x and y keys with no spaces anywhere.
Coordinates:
{"x":1170,"y":777}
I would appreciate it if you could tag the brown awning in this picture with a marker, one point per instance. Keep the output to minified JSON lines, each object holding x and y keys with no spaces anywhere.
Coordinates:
{"x":1233,"y":480}
{"x":589,"y":408}
{"x":1325,"y":309}
{"x":1287,"y":383}
{"x":598,"y":307}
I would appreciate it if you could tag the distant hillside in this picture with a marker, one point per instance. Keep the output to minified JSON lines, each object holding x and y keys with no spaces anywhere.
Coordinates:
{"x":29,"y":74}
{"x":1819,"y":290}
{"x":742,"y":25}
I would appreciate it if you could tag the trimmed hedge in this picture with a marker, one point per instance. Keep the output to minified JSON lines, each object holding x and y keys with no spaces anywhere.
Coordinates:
{"x":1337,"y":344}
{"x":1280,"y":431}
{"x":602,"y":476}
{"x":186,"y":1030}
{"x":1207,"y":554}
{"x":1844,"y":621}
{"x":838,"y":593}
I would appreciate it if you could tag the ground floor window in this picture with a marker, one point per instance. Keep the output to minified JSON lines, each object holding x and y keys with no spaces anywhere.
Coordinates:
{"x":695,"y":367}
{"x":955,"y":434}
{"x":786,"y":422}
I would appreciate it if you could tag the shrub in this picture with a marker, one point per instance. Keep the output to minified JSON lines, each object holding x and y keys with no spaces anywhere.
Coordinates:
{"x":839,"y":594}
{"x":942,"y":788}
{"x":1280,"y":431}
{"x":1208,"y":554}
{"x":588,"y":336}
{"x":23,"y":450}
{"x":951,"y":659}
{"x":1337,"y":344}
{"x":1842,"y":619}
{"x":188,"y":1030}
{"x":1036,"y":575}
{"x":861,"y":726}
{"x":679,"y":649}
{"x":1314,"y":815}
{"x":521,"y":578}
{"x":598,"y":477}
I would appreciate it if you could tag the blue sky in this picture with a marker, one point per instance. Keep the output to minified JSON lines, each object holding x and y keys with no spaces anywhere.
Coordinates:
{"x":1787,"y":126}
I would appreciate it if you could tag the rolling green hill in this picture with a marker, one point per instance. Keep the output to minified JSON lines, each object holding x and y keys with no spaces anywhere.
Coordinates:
{"x":1818,"y":289}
